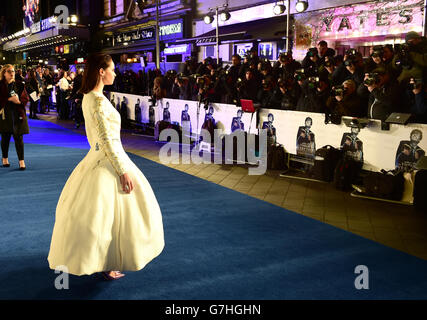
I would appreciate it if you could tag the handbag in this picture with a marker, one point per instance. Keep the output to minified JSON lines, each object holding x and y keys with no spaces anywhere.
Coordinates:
{"x":384,"y":184}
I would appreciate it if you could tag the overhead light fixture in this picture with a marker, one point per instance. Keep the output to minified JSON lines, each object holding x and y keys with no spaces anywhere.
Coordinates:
{"x":224,"y":16}
{"x":208,"y":19}
{"x":279,"y":9}
{"x":301,"y":6}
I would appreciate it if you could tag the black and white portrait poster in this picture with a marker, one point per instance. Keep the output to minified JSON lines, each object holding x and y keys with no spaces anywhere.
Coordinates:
{"x":271,"y":130}
{"x":306,"y":144}
{"x":237,"y":123}
{"x":352,"y":145}
{"x":166,"y":113}
{"x":409,"y":152}
{"x":186,"y":121}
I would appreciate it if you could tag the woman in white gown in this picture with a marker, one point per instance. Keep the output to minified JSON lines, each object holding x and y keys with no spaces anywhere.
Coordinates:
{"x":107,"y":218}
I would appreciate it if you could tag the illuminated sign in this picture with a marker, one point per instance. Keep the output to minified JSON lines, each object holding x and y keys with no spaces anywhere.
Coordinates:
{"x":185,"y":48}
{"x":140,"y":34}
{"x":359,"y":20}
{"x":172,"y":29}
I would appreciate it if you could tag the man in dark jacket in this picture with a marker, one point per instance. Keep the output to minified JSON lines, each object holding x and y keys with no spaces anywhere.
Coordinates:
{"x":324,"y":51}
{"x":286,"y":66}
{"x":384,"y":96}
{"x":346,"y":103}
{"x":315,"y":92}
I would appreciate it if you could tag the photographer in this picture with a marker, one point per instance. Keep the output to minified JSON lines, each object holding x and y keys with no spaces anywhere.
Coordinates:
{"x":384,"y":94}
{"x":327,"y":70}
{"x":248,"y":88}
{"x":266,"y":94}
{"x":375,"y":59}
{"x":324,"y":51}
{"x":351,"y":69}
{"x":417,"y":98}
{"x":286,"y":94}
{"x":236,"y":70}
{"x":315,"y":92}
{"x":411,"y":57}
{"x":285,"y":66}
{"x":311,"y":62}
{"x":344,"y":100}
{"x":182,"y":86}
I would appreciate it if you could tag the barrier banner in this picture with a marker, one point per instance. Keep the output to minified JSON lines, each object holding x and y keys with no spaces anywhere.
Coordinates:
{"x":302,"y":133}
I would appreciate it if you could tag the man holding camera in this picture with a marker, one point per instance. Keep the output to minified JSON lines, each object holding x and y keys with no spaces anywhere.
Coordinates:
{"x":384,"y":94}
{"x":315,"y":92}
{"x":418,"y":100}
{"x":344,"y":100}
{"x":285,"y":66}
{"x":311,"y":62}
{"x":286,"y":95}
{"x":412,"y":57}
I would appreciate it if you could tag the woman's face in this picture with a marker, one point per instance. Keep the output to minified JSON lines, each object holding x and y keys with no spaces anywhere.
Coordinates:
{"x":108,"y":75}
{"x":9,"y":75}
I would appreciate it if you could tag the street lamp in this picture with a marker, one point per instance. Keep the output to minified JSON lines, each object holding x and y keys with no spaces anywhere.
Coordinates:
{"x":279,"y":8}
{"x":208,"y":19}
{"x":301,"y":6}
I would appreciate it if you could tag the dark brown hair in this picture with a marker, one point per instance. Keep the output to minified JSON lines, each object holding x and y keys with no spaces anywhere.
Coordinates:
{"x":94,"y":63}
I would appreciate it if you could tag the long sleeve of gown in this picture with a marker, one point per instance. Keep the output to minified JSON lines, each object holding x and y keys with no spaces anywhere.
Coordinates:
{"x":105,"y":138}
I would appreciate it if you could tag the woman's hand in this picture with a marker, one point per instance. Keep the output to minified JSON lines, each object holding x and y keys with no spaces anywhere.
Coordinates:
{"x":14,"y":99}
{"x":126,"y":182}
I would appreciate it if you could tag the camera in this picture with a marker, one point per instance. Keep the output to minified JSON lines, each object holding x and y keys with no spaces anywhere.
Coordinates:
{"x":373,"y":78}
{"x":378,"y":51}
{"x":416,"y":85}
{"x":300,"y":75}
{"x":313,"y":82}
{"x":200,"y":81}
{"x":312,"y":52}
{"x":403,"y":56}
{"x":351,"y":52}
{"x":338,"y":91}
{"x":349,"y":62}
{"x":283,"y":57}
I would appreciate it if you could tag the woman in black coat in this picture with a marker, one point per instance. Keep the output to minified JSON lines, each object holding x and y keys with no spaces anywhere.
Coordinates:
{"x":33,"y":87}
{"x":13,"y":118}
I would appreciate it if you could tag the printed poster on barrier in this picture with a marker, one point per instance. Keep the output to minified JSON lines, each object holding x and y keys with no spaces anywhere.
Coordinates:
{"x":237,"y":123}
{"x":271,"y":130}
{"x":186,"y":121}
{"x":352,"y":145}
{"x":409,"y":152}
{"x":306,"y":143}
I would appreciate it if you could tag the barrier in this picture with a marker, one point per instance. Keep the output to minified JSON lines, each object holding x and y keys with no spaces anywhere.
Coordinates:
{"x":299,"y":132}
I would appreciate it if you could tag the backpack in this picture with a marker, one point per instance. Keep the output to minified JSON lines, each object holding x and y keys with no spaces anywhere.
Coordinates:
{"x":346,"y":173}
{"x":420,"y":191}
{"x":276,"y":158}
{"x":384,"y":184}
{"x":325,"y":161}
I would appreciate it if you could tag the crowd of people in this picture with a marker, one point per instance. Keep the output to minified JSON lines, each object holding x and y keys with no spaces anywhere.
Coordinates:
{"x":392,"y":79}
{"x":39,"y":82}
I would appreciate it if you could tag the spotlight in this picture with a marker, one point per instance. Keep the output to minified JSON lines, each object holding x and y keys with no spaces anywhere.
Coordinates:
{"x":74,"y":19}
{"x":224,"y":16}
{"x":279,"y":9}
{"x":208,"y":19}
{"x":301,"y":6}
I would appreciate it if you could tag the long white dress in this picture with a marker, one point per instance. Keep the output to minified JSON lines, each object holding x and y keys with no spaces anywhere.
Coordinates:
{"x":99,"y":227}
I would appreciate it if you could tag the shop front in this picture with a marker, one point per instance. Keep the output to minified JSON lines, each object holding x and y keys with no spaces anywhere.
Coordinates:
{"x":358,"y":26}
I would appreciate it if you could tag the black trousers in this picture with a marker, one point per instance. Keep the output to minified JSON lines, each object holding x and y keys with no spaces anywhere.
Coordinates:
{"x":19,"y":145}
{"x":33,"y":108}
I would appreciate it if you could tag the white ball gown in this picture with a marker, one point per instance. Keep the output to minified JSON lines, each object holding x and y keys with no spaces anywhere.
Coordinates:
{"x":99,"y":227}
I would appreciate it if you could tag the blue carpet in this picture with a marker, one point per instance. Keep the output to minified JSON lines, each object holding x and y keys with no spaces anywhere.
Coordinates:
{"x":220,"y":244}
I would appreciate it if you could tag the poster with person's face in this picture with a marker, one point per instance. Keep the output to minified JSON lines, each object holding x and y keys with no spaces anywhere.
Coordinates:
{"x":186,"y":121}
{"x":352,"y":145}
{"x":31,"y":9}
{"x":237,"y":123}
{"x":271,"y":130}
{"x":166,"y":113}
{"x":408,"y":153}
{"x":306,"y":143}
